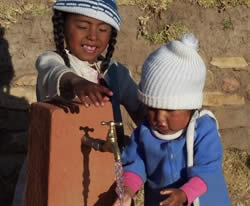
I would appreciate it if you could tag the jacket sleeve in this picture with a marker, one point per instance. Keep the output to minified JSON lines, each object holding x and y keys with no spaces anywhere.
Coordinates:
{"x":208,"y":156}
{"x":128,"y":94}
{"x":50,"y":67}
{"x":208,"y":151}
{"x":132,"y":157}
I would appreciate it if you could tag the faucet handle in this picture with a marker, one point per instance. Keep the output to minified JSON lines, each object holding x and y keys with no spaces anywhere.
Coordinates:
{"x":111,"y":123}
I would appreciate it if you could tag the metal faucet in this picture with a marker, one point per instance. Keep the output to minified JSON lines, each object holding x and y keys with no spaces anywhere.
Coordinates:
{"x":110,"y":145}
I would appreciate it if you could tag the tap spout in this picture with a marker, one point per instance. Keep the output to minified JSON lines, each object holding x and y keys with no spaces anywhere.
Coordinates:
{"x":110,"y":145}
{"x":111,"y":142}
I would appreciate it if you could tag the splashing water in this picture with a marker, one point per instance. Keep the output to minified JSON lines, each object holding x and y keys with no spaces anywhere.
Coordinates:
{"x":119,"y":180}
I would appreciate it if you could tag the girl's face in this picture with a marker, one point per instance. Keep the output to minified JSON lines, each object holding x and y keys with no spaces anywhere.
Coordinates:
{"x":86,"y":37}
{"x":168,"y":121}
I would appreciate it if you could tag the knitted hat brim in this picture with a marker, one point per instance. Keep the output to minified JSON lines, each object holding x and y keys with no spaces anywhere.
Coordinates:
{"x":101,"y":12}
{"x":192,"y":101}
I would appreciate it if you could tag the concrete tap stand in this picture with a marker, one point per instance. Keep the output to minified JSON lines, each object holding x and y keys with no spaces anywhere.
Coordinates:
{"x":60,"y":171}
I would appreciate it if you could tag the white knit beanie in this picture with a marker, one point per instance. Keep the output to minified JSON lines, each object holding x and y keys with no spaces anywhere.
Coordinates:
{"x":173,"y":76}
{"x":103,"y":10}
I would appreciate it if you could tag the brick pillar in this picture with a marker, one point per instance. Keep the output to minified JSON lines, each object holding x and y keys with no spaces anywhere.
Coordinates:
{"x":60,"y":172}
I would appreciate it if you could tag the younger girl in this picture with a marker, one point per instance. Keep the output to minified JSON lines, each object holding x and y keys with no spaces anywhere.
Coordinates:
{"x":83,"y":30}
{"x":177,"y":150}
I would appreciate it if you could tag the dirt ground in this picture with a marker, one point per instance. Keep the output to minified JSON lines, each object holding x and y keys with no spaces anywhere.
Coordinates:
{"x":221,"y":32}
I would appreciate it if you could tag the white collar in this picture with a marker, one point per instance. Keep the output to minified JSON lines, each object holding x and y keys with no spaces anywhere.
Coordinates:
{"x":167,"y":136}
{"x":97,"y":64}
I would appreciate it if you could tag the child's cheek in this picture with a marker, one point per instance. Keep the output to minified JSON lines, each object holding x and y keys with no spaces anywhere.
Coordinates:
{"x":176,"y":124}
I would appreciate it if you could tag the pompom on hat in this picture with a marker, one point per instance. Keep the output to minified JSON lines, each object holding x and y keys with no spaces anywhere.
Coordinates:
{"x":173,"y":76}
{"x":103,"y":10}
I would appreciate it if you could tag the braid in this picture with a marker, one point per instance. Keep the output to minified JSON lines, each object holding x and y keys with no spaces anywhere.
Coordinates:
{"x":58,"y":27}
{"x":110,"y":51}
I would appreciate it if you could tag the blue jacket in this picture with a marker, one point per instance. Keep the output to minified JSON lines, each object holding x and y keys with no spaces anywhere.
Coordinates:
{"x":163,"y":164}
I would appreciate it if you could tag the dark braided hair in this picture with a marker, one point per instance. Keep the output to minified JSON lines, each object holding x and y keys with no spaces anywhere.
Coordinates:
{"x":58,"y":20}
{"x":110,"y":51}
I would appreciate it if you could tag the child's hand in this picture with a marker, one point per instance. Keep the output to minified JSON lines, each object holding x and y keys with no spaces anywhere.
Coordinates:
{"x":126,"y":201}
{"x":91,"y":93}
{"x":88,"y":92}
{"x":176,"y":197}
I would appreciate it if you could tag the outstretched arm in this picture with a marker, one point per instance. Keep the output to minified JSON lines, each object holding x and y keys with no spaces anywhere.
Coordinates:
{"x":55,"y":79}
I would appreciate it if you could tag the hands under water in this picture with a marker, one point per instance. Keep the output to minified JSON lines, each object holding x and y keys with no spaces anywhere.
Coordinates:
{"x":176,"y":197}
{"x":127,"y":198}
{"x":126,"y":201}
{"x":87,"y":92}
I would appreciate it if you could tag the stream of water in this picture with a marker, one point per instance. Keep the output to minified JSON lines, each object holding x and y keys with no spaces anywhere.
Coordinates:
{"x":119,"y":181}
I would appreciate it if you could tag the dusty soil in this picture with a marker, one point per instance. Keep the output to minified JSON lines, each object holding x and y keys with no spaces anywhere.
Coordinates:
{"x":32,"y":34}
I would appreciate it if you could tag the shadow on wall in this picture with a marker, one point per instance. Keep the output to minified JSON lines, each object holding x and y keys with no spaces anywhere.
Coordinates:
{"x":7,"y":100}
{"x":6,"y":67}
{"x":13,"y":126}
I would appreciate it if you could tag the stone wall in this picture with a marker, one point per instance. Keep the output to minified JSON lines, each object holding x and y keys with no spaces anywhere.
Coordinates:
{"x":231,"y":104}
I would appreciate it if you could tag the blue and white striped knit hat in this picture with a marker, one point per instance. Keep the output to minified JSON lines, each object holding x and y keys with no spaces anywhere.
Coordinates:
{"x":103,"y":10}
{"x":173,"y":76}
